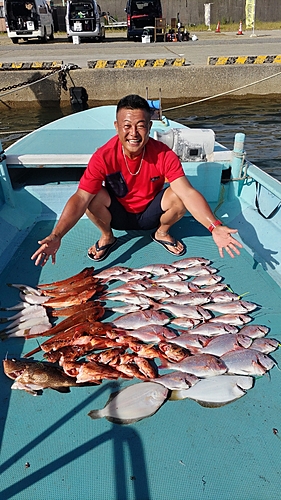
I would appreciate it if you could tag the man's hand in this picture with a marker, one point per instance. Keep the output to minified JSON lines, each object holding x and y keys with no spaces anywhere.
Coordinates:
{"x":48,"y":247}
{"x":223,"y":239}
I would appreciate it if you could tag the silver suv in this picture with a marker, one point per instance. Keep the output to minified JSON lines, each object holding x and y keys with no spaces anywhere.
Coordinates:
{"x":84,"y":20}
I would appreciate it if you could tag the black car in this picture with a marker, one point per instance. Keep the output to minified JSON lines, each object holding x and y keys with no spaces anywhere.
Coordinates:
{"x":140,"y":14}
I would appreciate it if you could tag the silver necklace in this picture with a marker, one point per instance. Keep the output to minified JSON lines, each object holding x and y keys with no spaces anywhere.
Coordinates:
{"x":139,"y":169}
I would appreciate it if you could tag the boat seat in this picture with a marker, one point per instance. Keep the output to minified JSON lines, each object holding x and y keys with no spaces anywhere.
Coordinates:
{"x":189,"y":144}
{"x":48,"y":160}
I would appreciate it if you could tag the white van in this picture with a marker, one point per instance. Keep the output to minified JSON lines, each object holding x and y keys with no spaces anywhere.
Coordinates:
{"x":84,"y":19}
{"x":28,"y":19}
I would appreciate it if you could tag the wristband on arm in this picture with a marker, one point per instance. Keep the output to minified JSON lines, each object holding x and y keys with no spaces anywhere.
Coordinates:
{"x":214,"y":224}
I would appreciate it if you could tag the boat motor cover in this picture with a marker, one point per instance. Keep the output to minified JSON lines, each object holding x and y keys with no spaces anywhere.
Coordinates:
{"x":189,"y":144}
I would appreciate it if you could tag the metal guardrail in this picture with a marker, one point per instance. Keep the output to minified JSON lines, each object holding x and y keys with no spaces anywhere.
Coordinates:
{"x":112,"y":23}
{"x":116,"y":25}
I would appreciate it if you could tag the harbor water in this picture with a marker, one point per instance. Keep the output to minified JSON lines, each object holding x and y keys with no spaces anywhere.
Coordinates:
{"x":258,"y":118}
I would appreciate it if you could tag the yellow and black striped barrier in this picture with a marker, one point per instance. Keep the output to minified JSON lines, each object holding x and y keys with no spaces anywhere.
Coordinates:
{"x":4,"y":66}
{"x":136,"y":63}
{"x":221,"y":61}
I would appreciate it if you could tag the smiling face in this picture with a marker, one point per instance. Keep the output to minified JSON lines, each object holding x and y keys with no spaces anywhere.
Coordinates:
{"x":133,"y":127}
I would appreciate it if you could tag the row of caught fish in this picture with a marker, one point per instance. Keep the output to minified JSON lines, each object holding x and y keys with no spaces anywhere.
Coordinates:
{"x":216,"y":343}
{"x":136,"y":401}
{"x":210,"y":349}
{"x":39,"y":307}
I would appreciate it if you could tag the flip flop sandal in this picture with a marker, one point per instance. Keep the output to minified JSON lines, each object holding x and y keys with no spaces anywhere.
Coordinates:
{"x":106,"y":248}
{"x":167,"y":244}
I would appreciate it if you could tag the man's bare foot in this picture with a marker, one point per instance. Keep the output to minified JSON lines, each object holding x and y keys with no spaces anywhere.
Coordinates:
{"x":168,"y":242}
{"x":102,"y":248}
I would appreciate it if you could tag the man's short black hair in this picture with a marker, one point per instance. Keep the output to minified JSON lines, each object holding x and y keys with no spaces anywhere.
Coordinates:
{"x":133,"y":101}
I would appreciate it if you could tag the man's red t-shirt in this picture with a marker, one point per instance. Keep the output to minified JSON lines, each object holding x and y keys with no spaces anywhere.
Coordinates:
{"x":107,"y":167}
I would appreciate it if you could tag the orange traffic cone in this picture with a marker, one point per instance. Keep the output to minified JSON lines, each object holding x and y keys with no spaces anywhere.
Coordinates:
{"x":240,"y":32}
{"x":218,"y":28}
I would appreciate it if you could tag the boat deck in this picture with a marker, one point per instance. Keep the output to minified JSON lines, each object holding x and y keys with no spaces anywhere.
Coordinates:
{"x":51,"y":449}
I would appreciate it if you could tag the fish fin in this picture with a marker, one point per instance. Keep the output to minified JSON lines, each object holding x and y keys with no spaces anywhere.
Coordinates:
{"x":206,"y":404}
{"x":33,"y":389}
{"x":111,"y":397}
{"x":276,"y":364}
{"x":34,"y":393}
{"x":267,"y":374}
{"x":121,"y":421}
{"x":61,"y":389}
{"x":95,"y":414}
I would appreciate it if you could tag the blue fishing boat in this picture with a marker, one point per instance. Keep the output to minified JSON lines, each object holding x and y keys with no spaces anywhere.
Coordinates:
{"x":50,"y":448}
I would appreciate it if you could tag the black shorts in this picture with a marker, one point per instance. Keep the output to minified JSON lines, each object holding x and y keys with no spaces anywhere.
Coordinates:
{"x":148,"y":219}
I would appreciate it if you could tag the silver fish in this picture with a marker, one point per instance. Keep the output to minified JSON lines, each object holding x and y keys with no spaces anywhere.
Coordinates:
{"x":201,"y":365}
{"x":177,"y":380}
{"x":234,"y":307}
{"x":127,"y":308}
{"x":185,"y":322}
{"x":152,"y":333}
{"x":179,"y":311}
{"x":132,"y":298}
{"x":211,"y":329}
{"x":137,"y":319}
{"x":265,"y":345}
{"x":232,"y":319}
{"x":206,"y":280}
{"x":158,"y":292}
{"x":216,"y":391}
{"x":112,"y":271}
{"x":199,"y":271}
{"x":254,"y":331}
{"x":227,"y":342}
{"x":17,"y":319}
{"x":223,"y":296}
{"x":158,"y":269}
{"x":24,"y":325}
{"x":247,"y":362}
{"x":24,"y":313}
{"x":194,"y":299}
{"x":25,"y":288}
{"x":175,"y":276}
{"x":217,"y":287}
{"x":130,"y":276}
{"x":190,"y":262}
{"x":33,"y":299}
{"x":190,"y":340}
{"x":133,"y":403}
{"x":130,"y":286}
{"x":167,"y":332}
{"x":17,"y":307}
{"x":32,"y":330}
{"x":182,"y":286}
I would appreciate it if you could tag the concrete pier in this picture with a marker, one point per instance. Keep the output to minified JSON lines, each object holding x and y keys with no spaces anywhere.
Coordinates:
{"x":216,"y":64}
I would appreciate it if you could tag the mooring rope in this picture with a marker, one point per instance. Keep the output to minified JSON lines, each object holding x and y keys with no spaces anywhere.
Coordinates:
{"x":222,"y":93}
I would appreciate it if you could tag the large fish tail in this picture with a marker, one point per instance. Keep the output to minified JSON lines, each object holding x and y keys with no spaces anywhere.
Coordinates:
{"x":95,"y":414}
